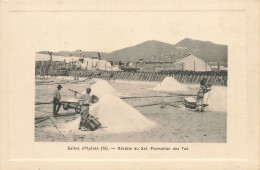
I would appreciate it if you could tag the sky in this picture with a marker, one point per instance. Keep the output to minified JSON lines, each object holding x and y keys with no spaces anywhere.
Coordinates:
{"x":109,"y":31}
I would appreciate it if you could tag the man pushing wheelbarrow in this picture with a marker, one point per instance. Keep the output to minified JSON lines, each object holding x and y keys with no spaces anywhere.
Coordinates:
{"x":86,"y":120}
{"x":200,"y":96}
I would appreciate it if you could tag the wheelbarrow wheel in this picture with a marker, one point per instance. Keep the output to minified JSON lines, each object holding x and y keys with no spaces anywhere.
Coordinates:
{"x":186,"y":104}
{"x":78,"y":109}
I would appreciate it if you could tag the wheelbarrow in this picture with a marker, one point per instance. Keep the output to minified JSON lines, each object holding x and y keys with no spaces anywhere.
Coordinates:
{"x":77,"y":103}
{"x":72,"y":105}
{"x":191,"y":103}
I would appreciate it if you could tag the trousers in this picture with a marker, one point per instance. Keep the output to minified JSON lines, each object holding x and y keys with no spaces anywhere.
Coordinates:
{"x":84,"y":114}
{"x":56,"y":103}
{"x":199,"y":103}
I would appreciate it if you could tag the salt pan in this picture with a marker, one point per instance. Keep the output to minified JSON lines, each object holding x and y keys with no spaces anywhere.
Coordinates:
{"x":169,"y":84}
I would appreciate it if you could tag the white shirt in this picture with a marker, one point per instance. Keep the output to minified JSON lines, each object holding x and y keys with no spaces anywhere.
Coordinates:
{"x":86,"y":98}
{"x":57,"y":94}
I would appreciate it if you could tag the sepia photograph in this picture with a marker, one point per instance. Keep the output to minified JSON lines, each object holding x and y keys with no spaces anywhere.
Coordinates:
{"x":153,"y":91}
{"x":129,"y":84}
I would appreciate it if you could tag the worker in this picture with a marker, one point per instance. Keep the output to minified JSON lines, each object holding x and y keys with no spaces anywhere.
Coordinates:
{"x":111,"y":77}
{"x":84,"y":114}
{"x":90,"y":77}
{"x":200,"y":96}
{"x":56,"y":100}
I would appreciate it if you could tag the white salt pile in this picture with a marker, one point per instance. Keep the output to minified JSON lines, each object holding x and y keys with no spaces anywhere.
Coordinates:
{"x":101,"y":88}
{"x":69,"y":127}
{"x":169,"y":84}
{"x":217,"y":99}
{"x":115,"y":115}
{"x":118,"y":116}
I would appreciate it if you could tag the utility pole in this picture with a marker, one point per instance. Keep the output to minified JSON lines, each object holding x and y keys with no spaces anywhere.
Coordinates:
{"x":154,"y":63}
{"x":218,"y":64}
{"x":50,"y":53}
{"x":164,"y":65}
{"x":99,"y":56}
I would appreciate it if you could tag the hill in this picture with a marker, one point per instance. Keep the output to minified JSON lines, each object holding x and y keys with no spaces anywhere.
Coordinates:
{"x":141,"y":51}
{"x":205,"y":50}
{"x":156,"y":50}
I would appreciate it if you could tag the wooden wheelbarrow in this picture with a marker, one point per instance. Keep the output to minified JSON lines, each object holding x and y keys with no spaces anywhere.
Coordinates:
{"x":72,"y":105}
{"x":76,"y":103}
{"x":191,"y":103}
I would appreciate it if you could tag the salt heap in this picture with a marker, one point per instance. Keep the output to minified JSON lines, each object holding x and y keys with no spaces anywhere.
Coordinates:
{"x":72,"y":127}
{"x":115,"y":115}
{"x":102,"y":88}
{"x":118,"y":116}
{"x":169,"y":84}
{"x":217,"y":99}
{"x":112,"y":112}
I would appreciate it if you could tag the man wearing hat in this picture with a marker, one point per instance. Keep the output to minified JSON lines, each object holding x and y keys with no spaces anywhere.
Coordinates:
{"x":56,"y":100}
{"x":200,"y":96}
{"x":84,"y":114}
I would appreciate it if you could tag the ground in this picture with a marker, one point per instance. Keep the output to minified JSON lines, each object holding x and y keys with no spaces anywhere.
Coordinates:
{"x":177,"y":125}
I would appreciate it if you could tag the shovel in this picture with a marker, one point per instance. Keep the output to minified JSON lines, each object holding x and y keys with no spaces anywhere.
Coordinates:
{"x":207,"y":100}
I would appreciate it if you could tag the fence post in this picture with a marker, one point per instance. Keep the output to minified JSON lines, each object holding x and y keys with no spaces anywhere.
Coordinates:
{"x":196,"y":80}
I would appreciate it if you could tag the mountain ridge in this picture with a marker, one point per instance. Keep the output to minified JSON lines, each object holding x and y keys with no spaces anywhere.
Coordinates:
{"x":205,"y":50}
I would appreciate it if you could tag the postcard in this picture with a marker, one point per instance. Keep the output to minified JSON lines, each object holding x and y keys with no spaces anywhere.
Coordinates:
{"x":130,"y":85}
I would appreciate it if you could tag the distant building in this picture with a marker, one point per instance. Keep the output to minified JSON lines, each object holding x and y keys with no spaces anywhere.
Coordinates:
{"x":150,"y":66}
{"x":187,"y":62}
{"x":223,"y":68}
{"x":46,"y":57}
{"x":216,"y":66}
{"x":77,"y":62}
{"x":193,"y":63}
